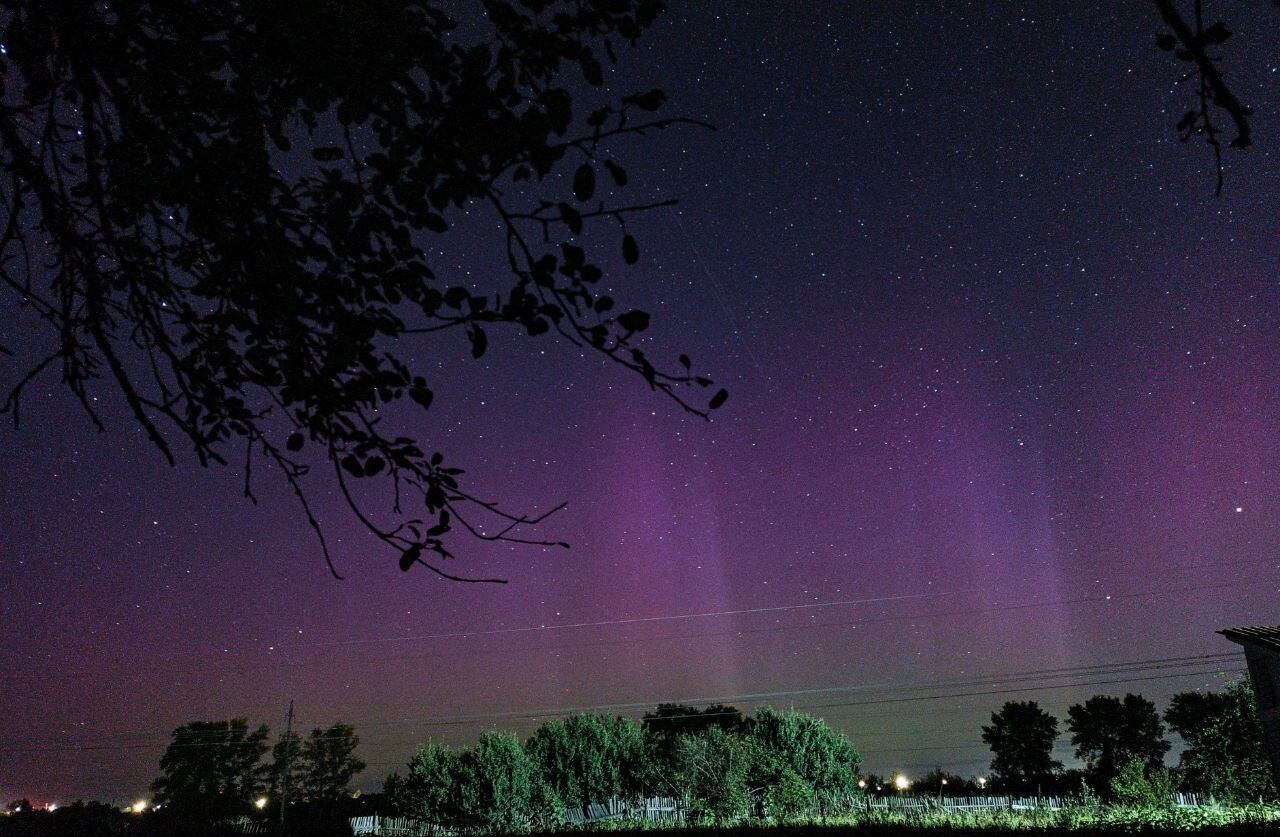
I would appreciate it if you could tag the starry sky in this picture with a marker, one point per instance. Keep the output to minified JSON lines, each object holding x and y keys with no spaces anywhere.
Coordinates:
{"x":1003,"y":407}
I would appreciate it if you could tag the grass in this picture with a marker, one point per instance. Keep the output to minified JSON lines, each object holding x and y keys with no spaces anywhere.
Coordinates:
{"x":1250,"y":818}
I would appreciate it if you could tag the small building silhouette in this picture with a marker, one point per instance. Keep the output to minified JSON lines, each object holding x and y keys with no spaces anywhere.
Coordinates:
{"x":1262,"y":653}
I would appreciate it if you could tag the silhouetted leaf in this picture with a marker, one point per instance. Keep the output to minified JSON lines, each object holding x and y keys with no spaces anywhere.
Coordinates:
{"x":373,"y":465}
{"x":1216,"y":34}
{"x":717,"y":400}
{"x":327,"y":153}
{"x":630,"y":250}
{"x":591,"y":69}
{"x":572,"y":218}
{"x":351,"y":465}
{"x":618,"y":173}
{"x":647,"y":101}
{"x":294,"y":442}
{"x":422,"y":395}
{"x":584,"y":182}
{"x":479,"y":340}
{"x":685,"y":362}
{"x":634,"y":320}
{"x":409,"y":557}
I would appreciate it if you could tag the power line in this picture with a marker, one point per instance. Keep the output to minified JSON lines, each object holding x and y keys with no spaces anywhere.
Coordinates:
{"x":1105,"y":669}
{"x":447,"y":654}
{"x":1099,"y":598}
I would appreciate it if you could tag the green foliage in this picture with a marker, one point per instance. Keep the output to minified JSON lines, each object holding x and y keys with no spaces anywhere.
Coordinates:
{"x":1225,"y":755}
{"x":211,"y":770}
{"x":430,"y":791}
{"x":589,"y":758}
{"x":1108,"y":731}
{"x":1137,"y":784}
{"x":801,"y":744}
{"x":712,"y":773}
{"x":1089,"y":819}
{"x":1021,"y":737}
{"x":790,"y":798}
{"x":327,"y":763}
{"x":500,"y":788}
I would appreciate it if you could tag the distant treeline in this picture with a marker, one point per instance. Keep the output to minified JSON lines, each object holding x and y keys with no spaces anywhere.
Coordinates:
{"x":721,"y":764}
{"x":725,"y":766}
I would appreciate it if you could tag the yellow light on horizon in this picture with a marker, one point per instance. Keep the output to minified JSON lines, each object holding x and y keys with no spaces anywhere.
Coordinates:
{"x":901,"y":782}
{"x":260,"y":803}
{"x":140,"y":806}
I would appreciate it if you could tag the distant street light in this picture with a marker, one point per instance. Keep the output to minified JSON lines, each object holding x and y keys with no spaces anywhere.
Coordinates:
{"x":901,"y":782}
{"x":862,"y":783}
{"x":140,"y":806}
{"x":982,"y":781}
{"x":260,"y":803}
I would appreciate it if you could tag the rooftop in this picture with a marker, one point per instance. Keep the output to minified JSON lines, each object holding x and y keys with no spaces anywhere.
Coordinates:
{"x":1267,"y":636}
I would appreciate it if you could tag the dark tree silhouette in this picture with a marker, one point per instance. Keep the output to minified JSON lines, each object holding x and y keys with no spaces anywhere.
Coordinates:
{"x":671,"y":720}
{"x":212,"y":770}
{"x":1021,"y":737}
{"x":327,"y":763}
{"x":224,"y":209}
{"x":1108,"y":731}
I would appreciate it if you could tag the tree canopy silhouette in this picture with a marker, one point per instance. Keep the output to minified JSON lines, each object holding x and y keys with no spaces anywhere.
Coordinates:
{"x":224,"y":210}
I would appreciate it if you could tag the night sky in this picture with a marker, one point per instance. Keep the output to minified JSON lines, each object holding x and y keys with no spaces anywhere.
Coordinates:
{"x":995,"y":353}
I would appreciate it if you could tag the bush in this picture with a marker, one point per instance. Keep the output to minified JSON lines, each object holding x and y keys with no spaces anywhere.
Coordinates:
{"x":804,"y":745}
{"x":1136,"y":785}
{"x":791,"y":798}
{"x":501,"y":789}
{"x":712,"y":769}
{"x":430,"y":792}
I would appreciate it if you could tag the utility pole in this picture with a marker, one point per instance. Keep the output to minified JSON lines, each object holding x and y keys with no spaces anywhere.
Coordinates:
{"x":288,"y":763}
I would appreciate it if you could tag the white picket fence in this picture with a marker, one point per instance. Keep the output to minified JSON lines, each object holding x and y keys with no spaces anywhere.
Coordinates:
{"x":655,"y":809}
{"x":398,"y":827}
{"x":670,"y":809}
{"x":913,"y":804}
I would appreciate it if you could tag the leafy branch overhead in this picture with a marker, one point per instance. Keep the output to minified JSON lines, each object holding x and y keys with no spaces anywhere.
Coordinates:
{"x":224,"y":211}
{"x":1194,"y":43}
